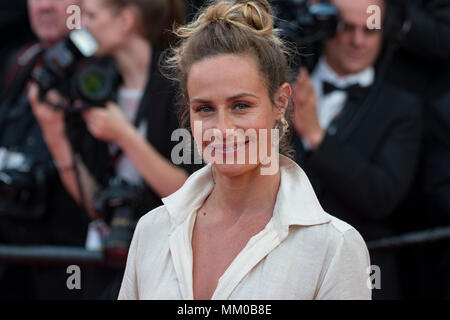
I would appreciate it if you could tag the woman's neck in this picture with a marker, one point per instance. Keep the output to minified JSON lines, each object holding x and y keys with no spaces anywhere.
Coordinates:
{"x":248,"y":194}
{"x":133,"y":61}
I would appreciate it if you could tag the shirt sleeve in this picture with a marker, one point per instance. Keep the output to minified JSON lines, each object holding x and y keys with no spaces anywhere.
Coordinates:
{"x":347,"y":276}
{"x":129,"y":288}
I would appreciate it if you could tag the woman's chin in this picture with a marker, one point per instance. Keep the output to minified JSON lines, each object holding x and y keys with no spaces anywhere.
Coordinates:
{"x":234,"y":170}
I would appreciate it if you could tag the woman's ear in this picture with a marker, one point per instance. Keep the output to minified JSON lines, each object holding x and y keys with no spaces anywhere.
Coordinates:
{"x":282,"y":97}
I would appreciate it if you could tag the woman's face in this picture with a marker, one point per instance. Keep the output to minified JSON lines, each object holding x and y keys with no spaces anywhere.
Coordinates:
{"x":105,"y":24}
{"x":227,"y":96}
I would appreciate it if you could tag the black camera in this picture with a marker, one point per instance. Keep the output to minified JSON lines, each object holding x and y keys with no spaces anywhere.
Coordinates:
{"x":306,"y":25}
{"x":69,"y":68}
{"x":23,"y":188}
{"x":119,"y":204}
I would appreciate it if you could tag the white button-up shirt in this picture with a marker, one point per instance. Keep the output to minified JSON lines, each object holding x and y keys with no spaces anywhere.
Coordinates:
{"x":303,"y":252}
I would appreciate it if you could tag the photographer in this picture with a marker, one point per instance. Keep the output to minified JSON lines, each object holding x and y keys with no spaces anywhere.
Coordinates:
{"x":358,"y":137}
{"x":137,"y":129}
{"x":35,"y":209}
{"x":121,"y":31}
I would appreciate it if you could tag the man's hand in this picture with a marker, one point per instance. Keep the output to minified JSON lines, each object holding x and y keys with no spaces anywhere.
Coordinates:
{"x":306,"y":120}
{"x":52,"y":124}
{"x":51,"y":120}
{"x":107,"y":124}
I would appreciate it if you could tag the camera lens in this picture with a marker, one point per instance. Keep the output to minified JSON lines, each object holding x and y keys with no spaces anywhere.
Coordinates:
{"x":92,"y":83}
{"x":93,"y":86}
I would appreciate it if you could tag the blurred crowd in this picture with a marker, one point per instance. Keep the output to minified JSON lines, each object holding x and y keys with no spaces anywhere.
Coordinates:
{"x":372,"y":132}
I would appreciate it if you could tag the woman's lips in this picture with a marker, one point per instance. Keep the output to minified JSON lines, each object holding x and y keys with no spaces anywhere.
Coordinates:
{"x":228,"y":148}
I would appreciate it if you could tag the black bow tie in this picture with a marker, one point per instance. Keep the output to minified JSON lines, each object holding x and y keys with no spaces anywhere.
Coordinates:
{"x":354,"y":91}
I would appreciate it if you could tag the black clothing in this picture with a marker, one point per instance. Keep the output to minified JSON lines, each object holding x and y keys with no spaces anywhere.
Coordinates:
{"x":428,"y":204}
{"x":425,"y":49}
{"x":53,"y":218}
{"x":20,"y":134}
{"x":13,"y":16}
{"x":421,"y":66}
{"x":362,"y":175}
{"x":364,"y":166}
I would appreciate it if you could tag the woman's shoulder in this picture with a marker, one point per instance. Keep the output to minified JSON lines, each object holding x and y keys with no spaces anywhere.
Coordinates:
{"x":337,"y":256}
{"x":154,"y":224}
{"x":151,"y":234}
{"x":341,"y":228}
{"x":156,"y":216}
{"x":340,"y":231}
{"x":333,"y":236}
{"x":345,"y":245}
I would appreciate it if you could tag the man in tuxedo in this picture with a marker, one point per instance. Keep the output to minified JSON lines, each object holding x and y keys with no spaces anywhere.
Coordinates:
{"x":357,"y":137}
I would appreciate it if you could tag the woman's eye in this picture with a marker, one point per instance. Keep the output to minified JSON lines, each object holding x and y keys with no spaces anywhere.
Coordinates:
{"x":204,"y":109}
{"x":240,"y":106}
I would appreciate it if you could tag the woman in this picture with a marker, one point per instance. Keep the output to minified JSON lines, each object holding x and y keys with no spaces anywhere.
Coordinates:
{"x":132,"y":32}
{"x":232,"y":232}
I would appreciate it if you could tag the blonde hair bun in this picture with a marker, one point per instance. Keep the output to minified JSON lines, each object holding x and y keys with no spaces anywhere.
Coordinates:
{"x":253,"y":14}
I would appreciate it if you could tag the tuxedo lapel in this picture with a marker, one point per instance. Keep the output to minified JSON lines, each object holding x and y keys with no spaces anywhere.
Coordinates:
{"x":350,"y":118}
{"x":338,"y":125}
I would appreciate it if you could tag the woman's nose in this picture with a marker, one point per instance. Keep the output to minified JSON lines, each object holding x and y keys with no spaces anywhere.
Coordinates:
{"x":225,"y":125}
{"x":224,"y":122}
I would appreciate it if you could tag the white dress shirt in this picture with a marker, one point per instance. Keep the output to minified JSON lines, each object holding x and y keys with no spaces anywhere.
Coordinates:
{"x":330,"y":105}
{"x":303,"y":252}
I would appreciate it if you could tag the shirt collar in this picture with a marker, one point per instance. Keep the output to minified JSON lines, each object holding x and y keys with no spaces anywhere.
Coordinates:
{"x":324,"y":72}
{"x":296,"y":202}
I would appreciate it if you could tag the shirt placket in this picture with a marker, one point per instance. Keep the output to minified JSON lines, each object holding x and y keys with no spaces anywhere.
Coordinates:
{"x":182,"y":256}
{"x":254,"y":252}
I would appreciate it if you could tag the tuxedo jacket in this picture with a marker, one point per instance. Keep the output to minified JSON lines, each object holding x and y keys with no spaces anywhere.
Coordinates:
{"x":366,"y":162}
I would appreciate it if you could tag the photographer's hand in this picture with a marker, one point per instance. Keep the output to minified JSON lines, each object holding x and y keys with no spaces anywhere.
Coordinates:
{"x":306,"y":120}
{"x":52,"y":125}
{"x":108,"y":124}
{"x":50,"y":119}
